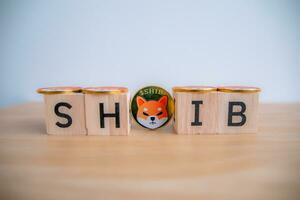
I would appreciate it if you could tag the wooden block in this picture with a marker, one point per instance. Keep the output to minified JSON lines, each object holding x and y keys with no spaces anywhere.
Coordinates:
{"x":195,"y":110}
{"x":107,"y":110}
{"x":64,"y":110}
{"x":238,"y":109}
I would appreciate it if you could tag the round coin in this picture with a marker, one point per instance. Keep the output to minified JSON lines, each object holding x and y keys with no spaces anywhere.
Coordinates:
{"x":152,"y":107}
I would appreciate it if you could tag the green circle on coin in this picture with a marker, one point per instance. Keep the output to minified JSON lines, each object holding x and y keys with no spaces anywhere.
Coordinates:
{"x":152,"y":107}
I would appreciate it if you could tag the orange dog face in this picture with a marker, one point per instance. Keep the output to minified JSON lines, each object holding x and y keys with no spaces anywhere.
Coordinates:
{"x":152,"y":114}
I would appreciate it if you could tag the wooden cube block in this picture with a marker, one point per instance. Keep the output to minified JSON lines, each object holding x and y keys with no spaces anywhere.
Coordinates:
{"x":195,"y":110}
{"x":238,"y":109}
{"x":64,"y":110}
{"x":107,"y":110}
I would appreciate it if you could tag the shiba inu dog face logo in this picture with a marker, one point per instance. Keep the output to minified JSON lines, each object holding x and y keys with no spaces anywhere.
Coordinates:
{"x":152,"y":107}
{"x":152,"y":114}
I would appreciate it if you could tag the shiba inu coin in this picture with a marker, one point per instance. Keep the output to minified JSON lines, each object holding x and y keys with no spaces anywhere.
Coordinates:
{"x":152,"y":107}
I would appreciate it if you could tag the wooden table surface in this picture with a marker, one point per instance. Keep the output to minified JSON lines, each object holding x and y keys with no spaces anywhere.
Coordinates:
{"x":150,"y":165}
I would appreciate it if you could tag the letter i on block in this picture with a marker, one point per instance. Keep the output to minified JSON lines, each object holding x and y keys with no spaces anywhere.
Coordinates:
{"x":195,"y":109}
{"x":64,"y":110}
{"x":238,"y":109}
{"x":107,"y":110}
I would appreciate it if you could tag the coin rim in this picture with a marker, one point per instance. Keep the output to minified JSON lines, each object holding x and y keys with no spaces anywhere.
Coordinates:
{"x":166,"y":123}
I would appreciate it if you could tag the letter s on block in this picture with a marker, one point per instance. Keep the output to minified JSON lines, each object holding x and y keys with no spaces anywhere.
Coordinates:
{"x":63,"y":115}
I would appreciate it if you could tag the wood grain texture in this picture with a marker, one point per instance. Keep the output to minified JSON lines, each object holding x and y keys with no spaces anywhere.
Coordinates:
{"x":76,"y":112}
{"x":92,"y":102}
{"x":185,"y":112}
{"x":251,"y":101}
{"x":150,"y":164}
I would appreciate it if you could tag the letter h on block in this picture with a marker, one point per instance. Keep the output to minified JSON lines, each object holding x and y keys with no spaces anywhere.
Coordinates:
{"x":107,"y":110}
{"x":64,"y":110}
{"x":238,"y":109}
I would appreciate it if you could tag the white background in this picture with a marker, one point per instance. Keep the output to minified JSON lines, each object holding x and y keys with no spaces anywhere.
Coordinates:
{"x":137,"y":43}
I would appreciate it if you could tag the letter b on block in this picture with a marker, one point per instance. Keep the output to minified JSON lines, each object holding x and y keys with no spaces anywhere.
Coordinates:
{"x":238,"y":109}
{"x":241,"y":113}
{"x":107,"y":110}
